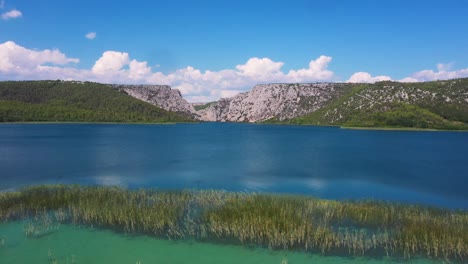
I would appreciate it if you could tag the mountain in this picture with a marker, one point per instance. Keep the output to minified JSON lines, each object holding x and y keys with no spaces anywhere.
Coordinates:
{"x":160,"y":95}
{"x":437,"y":104}
{"x":70,"y":101}
{"x":279,"y":101}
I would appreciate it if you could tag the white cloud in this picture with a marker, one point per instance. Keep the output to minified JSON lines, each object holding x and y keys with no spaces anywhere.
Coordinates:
{"x":17,"y":60}
{"x":408,"y":79}
{"x":317,"y":71}
{"x":138,"y":70}
{"x":196,"y":85}
{"x":430,"y":75}
{"x":111,"y":62}
{"x":365,"y":77}
{"x":91,"y":35}
{"x":18,"y":63}
{"x":12,"y":14}
{"x":260,"y":68}
{"x":445,"y":66}
{"x":228,"y":93}
{"x":444,"y":72}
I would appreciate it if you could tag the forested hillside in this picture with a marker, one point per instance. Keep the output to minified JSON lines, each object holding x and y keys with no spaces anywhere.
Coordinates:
{"x":69,"y":101}
{"x":433,"y":105}
{"x":437,"y":105}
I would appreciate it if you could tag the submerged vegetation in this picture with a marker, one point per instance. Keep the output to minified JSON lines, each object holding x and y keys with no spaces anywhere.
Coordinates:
{"x":273,"y":221}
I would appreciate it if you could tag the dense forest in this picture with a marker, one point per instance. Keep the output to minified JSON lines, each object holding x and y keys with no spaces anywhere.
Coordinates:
{"x":70,"y":101}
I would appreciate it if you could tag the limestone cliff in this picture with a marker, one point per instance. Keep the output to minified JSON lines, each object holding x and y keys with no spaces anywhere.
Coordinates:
{"x":437,"y":104}
{"x":266,"y":101}
{"x":159,"y":95}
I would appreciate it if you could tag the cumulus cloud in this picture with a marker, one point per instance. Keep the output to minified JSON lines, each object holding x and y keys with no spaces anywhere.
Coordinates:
{"x":445,"y":66}
{"x":91,"y":35}
{"x":444,"y":72}
{"x":317,"y":71}
{"x":408,"y":79}
{"x":111,"y":62}
{"x":18,"y":61}
{"x":365,"y":77}
{"x":205,"y":86}
{"x":117,"y":67}
{"x":260,"y":68}
{"x":138,"y":70}
{"x":12,"y":14}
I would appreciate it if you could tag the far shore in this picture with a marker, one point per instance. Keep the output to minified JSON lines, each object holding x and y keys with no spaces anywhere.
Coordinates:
{"x":403,"y":129}
{"x":200,"y":122}
{"x":92,"y":123}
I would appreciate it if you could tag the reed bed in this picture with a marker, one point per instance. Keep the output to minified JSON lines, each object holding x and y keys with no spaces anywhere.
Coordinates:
{"x":273,"y":221}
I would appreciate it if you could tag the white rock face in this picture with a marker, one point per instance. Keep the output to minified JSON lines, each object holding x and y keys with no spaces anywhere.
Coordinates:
{"x":158,"y":95}
{"x":265,"y":101}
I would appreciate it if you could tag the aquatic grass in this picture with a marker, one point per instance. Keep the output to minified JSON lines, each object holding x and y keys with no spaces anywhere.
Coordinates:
{"x":274,"y":221}
{"x":42,"y":224}
{"x":52,"y":258}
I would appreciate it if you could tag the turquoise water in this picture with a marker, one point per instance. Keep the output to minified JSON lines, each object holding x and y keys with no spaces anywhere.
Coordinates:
{"x":408,"y":166}
{"x":413,"y":167}
{"x":71,"y":244}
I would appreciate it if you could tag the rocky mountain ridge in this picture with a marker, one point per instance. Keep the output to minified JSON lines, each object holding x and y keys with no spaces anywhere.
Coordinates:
{"x":159,"y":95}
{"x":436,"y":104}
{"x":426,"y":104}
{"x":265,"y":101}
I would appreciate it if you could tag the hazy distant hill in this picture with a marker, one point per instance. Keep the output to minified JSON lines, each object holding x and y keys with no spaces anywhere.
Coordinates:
{"x":68,"y":101}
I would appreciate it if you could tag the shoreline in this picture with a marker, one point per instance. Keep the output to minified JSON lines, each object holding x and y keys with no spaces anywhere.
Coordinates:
{"x":409,"y":129}
{"x":403,"y":129}
{"x":93,"y":123}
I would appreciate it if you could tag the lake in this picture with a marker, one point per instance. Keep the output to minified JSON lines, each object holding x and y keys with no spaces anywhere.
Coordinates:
{"x":71,"y":244}
{"x":406,"y":166}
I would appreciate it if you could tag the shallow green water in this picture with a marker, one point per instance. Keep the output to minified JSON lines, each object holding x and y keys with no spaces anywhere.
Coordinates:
{"x":70,"y":244}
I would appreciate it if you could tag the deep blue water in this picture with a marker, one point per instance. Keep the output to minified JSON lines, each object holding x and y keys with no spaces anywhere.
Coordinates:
{"x":416,"y":167}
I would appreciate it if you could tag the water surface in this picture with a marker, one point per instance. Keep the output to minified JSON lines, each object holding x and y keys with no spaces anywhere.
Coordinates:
{"x":72,"y":244}
{"x":407,"y":166}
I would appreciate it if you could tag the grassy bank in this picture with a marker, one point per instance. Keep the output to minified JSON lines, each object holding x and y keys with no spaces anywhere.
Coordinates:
{"x":274,"y":221}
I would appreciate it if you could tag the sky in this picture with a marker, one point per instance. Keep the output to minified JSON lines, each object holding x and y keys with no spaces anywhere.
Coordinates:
{"x":213,"y":49}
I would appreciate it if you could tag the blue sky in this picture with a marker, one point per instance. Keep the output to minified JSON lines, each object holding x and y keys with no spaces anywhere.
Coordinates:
{"x":240,"y":43}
